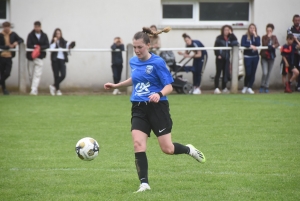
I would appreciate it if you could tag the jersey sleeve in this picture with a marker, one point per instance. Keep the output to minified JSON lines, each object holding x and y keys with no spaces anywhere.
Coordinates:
{"x":163,"y":73}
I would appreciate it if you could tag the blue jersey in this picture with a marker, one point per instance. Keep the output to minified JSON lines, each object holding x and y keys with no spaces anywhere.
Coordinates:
{"x":148,"y":77}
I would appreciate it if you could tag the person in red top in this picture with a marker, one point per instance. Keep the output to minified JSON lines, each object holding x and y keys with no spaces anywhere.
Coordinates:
{"x":288,"y":60}
{"x":295,"y":30}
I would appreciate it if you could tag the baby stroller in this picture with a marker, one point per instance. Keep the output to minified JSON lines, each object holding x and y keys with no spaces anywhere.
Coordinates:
{"x":180,"y":85}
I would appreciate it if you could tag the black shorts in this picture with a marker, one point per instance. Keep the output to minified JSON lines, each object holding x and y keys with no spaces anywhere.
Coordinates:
{"x":147,"y":116}
{"x":282,"y":69}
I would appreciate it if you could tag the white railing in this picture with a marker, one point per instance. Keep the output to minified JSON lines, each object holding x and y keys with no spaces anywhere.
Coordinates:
{"x":21,"y":49}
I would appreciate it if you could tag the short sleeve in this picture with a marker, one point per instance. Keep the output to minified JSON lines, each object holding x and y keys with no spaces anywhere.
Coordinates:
{"x":163,"y":73}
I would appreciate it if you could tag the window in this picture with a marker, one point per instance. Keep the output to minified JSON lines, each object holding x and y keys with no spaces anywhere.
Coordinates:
{"x":205,"y":13}
{"x":178,"y":11}
{"x":224,"y":11}
{"x":4,"y":15}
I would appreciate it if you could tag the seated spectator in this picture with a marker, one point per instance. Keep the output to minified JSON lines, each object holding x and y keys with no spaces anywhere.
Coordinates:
{"x":251,"y":58}
{"x":289,"y":66}
{"x":226,"y":39}
{"x":8,"y":39}
{"x":154,"y":41}
{"x":117,"y":62}
{"x":59,"y":60}
{"x":267,"y":57}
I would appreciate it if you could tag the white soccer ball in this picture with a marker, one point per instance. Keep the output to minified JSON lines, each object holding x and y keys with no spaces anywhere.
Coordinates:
{"x":87,"y":149}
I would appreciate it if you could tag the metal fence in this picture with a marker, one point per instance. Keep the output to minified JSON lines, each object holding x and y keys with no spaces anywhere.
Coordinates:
{"x":129,"y":53}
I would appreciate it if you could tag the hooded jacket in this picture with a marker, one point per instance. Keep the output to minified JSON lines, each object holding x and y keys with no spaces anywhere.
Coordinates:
{"x":32,"y":40}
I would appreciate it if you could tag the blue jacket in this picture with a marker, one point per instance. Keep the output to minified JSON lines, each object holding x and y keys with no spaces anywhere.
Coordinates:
{"x":247,"y":43}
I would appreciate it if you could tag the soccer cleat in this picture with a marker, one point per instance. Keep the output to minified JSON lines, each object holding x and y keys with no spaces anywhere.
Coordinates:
{"x":244,"y":90}
{"x":143,"y":187}
{"x":196,"y":154}
{"x":250,"y":91}
{"x":225,"y":91}
{"x":287,"y":88}
{"x":58,"y":93}
{"x":217,"y":91}
{"x":52,"y":90}
{"x":267,"y":90}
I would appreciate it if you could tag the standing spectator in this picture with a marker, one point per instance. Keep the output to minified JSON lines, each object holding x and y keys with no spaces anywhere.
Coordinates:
{"x":35,"y":66}
{"x":59,"y":60}
{"x":295,"y":30}
{"x":267,"y":57}
{"x":8,"y":39}
{"x":199,"y":62}
{"x":154,"y":41}
{"x":117,"y":61}
{"x":226,"y":39}
{"x":288,"y":60}
{"x":251,"y":58}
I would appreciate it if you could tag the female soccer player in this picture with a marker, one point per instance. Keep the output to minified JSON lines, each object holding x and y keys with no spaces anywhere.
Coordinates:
{"x":151,"y":82}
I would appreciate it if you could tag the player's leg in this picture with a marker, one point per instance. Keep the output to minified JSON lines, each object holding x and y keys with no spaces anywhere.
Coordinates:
{"x":294,"y":75}
{"x":140,"y":130}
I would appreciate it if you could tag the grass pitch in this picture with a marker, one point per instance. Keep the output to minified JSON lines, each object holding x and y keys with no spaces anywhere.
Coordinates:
{"x":251,"y":144}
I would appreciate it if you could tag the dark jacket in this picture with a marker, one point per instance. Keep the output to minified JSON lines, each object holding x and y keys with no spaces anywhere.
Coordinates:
{"x":221,"y":42}
{"x":247,"y":43}
{"x":270,"y":52}
{"x":13,"y":37}
{"x":32,"y":40}
{"x":62,"y":44}
{"x":116,"y":57}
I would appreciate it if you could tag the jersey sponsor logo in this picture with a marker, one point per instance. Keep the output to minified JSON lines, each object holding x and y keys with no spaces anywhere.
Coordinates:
{"x":142,"y":89}
{"x":149,"y":69}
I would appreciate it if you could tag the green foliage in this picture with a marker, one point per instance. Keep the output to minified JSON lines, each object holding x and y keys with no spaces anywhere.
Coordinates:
{"x":251,"y":144}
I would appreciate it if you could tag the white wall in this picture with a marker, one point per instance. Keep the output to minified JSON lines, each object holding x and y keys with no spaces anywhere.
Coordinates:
{"x":94,"y":24}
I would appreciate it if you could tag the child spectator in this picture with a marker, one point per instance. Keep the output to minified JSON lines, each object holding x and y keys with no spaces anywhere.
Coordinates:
{"x":117,"y":62}
{"x":267,"y":57}
{"x":8,"y":39}
{"x":288,"y":61}
{"x":250,"y":40}
{"x":295,"y":30}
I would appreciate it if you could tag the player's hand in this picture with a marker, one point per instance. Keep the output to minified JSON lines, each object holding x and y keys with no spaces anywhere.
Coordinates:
{"x":253,"y":47}
{"x":109,"y":85}
{"x":154,"y":98}
{"x":180,"y":53}
{"x":219,"y":57}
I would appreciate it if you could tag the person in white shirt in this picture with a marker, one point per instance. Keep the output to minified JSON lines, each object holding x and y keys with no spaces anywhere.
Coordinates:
{"x":58,"y":60}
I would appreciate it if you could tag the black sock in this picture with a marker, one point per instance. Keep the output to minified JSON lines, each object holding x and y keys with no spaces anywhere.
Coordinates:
{"x":141,"y":164}
{"x":180,"y":149}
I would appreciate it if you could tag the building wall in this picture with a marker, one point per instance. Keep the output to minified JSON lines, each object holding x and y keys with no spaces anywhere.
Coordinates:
{"x":94,"y":24}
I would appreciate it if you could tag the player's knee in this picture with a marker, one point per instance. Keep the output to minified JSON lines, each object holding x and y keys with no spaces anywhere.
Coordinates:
{"x":168,"y":149}
{"x":138,"y":146}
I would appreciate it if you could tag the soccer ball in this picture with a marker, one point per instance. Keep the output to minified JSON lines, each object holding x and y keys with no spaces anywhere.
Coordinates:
{"x":87,"y":149}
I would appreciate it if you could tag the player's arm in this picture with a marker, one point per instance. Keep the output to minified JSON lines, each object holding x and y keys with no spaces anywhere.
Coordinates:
{"x":125,"y":83}
{"x":198,"y":54}
{"x":285,"y":61}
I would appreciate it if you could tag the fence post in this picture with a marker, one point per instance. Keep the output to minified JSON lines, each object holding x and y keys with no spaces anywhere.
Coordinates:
{"x":22,"y":68}
{"x":129,"y":55}
{"x":235,"y":70}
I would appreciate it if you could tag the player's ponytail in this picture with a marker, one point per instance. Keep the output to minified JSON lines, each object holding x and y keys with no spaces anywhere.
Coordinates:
{"x":148,"y":32}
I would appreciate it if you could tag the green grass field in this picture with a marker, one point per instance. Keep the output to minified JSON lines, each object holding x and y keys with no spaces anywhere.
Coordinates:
{"x":251,"y":143}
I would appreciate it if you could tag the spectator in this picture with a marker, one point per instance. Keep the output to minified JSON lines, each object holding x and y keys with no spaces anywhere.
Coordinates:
{"x":226,"y":39}
{"x":267,"y":57}
{"x":59,"y":60}
{"x":250,"y":40}
{"x":199,"y":62}
{"x":295,"y":30}
{"x":154,"y":41}
{"x":117,"y":62}
{"x":35,"y":66}
{"x":288,"y":60}
{"x":8,"y":39}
